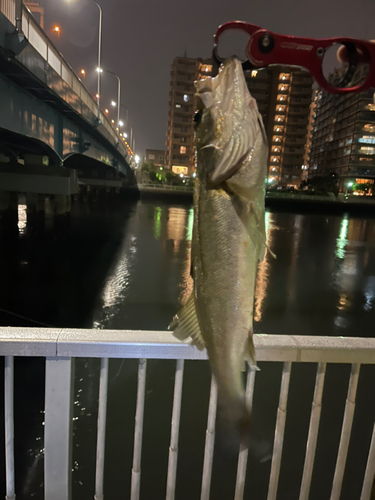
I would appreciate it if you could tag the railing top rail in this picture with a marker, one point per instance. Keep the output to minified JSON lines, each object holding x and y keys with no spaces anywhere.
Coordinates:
{"x":162,"y":345}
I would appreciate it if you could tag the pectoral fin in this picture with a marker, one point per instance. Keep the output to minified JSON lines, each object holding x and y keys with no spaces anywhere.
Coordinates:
{"x":185,"y":324}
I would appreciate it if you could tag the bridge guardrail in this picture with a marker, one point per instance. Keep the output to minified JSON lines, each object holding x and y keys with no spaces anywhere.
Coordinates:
{"x":44,"y":46}
{"x":166,"y":187}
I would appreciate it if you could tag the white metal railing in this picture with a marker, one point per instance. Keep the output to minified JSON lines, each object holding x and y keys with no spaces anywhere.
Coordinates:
{"x":60,"y":347}
{"x":40,"y":41}
{"x":165,"y":187}
{"x":8,"y":8}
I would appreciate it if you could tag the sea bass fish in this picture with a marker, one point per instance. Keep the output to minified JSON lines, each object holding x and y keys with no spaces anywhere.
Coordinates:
{"x":228,"y":233}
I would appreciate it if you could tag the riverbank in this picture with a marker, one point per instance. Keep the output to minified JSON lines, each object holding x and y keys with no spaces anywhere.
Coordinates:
{"x":280,"y":201}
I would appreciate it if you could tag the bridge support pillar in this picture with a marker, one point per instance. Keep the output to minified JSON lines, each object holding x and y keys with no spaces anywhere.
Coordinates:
{"x":35,"y":209}
{"x":9,"y":208}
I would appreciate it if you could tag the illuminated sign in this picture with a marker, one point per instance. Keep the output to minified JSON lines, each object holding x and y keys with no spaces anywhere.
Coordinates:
{"x":179,"y":170}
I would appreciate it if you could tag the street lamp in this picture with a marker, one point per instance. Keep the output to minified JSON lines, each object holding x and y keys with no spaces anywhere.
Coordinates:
{"x":57,"y":30}
{"x":99,"y":54}
{"x":83,"y":73}
{"x":113,"y":103}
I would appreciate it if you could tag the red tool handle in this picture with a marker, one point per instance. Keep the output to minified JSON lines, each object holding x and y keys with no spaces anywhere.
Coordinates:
{"x":265,"y":48}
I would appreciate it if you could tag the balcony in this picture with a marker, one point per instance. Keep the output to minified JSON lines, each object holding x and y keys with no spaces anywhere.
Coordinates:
{"x":294,"y":140}
{"x":307,"y":91}
{"x":61,"y":347}
{"x":302,"y":101}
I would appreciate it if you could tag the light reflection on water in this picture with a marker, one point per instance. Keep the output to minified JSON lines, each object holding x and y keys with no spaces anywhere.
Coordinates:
{"x":263,"y":270}
{"x":22,"y":218}
{"x":322,"y":282}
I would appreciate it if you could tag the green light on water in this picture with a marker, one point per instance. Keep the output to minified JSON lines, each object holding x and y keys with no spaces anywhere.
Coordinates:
{"x":342,"y":239}
{"x":189,"y":233}
{"x":157,"y":222}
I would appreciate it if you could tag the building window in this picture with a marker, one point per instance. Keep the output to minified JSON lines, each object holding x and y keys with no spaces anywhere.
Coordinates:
{"x":367,"y":139}
{"x":178,"y":105}
{"x":369,"y":127}
{"x":151,"y":157}
{"x":371,"y":106}
{"x":182,"y":150}
{"x":186,"y":98}
{"x":366,"y":150}
{"x":206,"y":67}
{"x":254,"y":73}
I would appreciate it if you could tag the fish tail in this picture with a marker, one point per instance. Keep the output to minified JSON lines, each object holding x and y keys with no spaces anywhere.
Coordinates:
{"x":234,"y":419}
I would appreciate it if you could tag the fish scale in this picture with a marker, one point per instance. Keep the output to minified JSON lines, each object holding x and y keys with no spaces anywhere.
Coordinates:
{"x":228,"y":234}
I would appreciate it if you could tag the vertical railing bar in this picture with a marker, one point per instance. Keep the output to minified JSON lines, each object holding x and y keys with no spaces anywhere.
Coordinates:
{"x":9,"y":426}
{"x":102,"y":416}
{"x":136,"y":470}
{"x":313,"y":432}
{"x":345,"y":432}
{"x":244,"y":449}
{"x":279,"y":432}
{"x":368,"y":482}
{"x":175,"y":426}
{"x":58,"y":428}
{"x":210,"y":441}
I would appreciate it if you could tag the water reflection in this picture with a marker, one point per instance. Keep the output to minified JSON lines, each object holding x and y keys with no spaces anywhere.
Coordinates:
{"x":22,"y":219}
{"x":341,"y":240}
{"x":157,"y":222}
{"x":264,"y":270}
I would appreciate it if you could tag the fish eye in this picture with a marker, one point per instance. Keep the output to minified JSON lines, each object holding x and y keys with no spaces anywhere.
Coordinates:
{"x":197,"y":118}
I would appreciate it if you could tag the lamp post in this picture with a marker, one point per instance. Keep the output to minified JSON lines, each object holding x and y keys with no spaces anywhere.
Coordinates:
{"x":127,"y":116}
{"x":99,"y":55}
{"x":118,"y":94}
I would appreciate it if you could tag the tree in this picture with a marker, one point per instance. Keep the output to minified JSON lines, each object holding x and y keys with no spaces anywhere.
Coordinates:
{"x":152,"y":176}
{"x":146,"y":167}
{"x":325,"y":184}
{"x":169,"y":176}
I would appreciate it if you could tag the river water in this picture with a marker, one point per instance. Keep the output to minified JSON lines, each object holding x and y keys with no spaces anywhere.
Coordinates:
{"x":126,"y":266}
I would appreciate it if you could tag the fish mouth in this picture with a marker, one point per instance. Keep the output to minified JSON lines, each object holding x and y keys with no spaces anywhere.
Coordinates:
{"x":234,"y":117}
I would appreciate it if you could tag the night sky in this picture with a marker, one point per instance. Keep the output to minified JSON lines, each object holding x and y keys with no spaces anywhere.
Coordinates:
{"x":141,"y":38}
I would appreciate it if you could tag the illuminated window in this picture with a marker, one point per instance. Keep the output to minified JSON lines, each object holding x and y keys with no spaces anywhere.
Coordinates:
{"x":367,"y":139}
{"x":366,"y":150}
{"x":186,"y":98}
{"x":284,"y":76}
{"x":364,"y":181}
{"x":276,"y":139}
{"x":178,"y":105}
{"x":206,"y":67}
{"x":254,"y":73}
{"x":182,"y":150}
{"x":371,"y":106}
{"x":369,"y":127}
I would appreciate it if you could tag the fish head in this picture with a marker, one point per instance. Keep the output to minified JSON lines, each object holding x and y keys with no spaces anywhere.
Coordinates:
{"x":226,"y":123}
